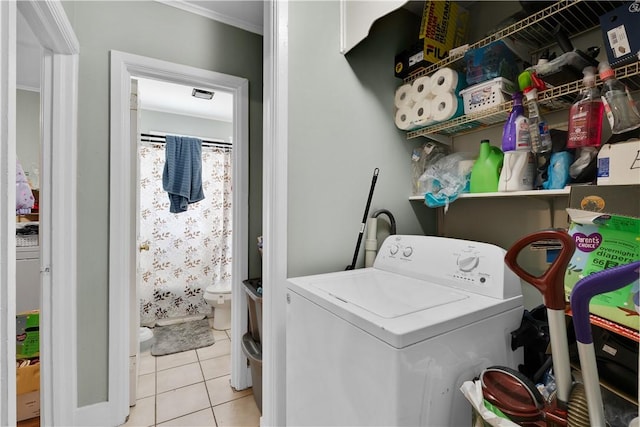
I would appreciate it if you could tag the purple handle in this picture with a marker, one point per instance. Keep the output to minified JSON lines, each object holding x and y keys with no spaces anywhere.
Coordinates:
{"x":595,"y":284}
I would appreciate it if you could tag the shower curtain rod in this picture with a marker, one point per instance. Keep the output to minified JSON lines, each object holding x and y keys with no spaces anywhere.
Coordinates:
{"x":147,"y":137}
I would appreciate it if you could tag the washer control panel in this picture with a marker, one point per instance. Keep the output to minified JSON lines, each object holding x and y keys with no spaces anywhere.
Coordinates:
{"x":473,"y":266}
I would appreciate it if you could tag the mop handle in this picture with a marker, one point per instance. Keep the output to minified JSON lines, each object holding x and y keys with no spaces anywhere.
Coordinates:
{"x":594,"y":284}
{"x":364,"y":219}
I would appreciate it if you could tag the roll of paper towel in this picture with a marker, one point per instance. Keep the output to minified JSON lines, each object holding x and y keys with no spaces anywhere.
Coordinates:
{"x":421,"y":89}
{"x":446,"y":106}
{"x":404,"y":118}
{"x":403,"y":96}
{"x":446,"y":80}
{"x":422,"y":113}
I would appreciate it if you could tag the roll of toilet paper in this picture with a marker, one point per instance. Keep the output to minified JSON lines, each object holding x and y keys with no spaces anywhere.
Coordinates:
{"x":404,"y":118}
{"x":421,"y":89}
{"x":447,"y":80}
{"x":446,"y":106}
{"x":403,"y":96}
{"x":422,"y":115}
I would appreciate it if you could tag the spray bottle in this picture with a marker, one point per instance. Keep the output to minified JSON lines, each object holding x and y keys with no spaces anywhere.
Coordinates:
{"x":515,"y":135}
{"x":541,"y":144}
{"x":620,"y":108}
{"x":585,"y":116}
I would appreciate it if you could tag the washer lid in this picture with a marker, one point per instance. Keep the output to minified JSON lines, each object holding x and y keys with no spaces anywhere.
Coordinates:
{"x":398,"y":309}
{"x":384,"y":295}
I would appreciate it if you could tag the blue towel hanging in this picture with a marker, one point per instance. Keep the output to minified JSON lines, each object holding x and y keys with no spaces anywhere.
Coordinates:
{"x":182,"y":174}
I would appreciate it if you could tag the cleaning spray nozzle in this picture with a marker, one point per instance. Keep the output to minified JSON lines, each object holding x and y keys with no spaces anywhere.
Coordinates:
{"x":605,"y":70}
{"x":589,"y":78}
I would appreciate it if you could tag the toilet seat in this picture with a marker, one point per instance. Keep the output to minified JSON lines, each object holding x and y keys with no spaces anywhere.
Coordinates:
{"x":218,"y":293}
{"x":219,"y":288}
{"x":219,"y":297}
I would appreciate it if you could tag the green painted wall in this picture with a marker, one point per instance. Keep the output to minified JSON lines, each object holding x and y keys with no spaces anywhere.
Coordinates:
{"x":341,"y":127}
{"x":159,"y":31}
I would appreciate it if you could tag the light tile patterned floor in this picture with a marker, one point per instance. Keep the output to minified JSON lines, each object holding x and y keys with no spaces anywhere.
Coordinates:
{"x":192,"y":389}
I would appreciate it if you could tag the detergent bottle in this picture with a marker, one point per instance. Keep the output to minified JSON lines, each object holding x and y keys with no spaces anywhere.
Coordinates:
{"x":585,"y":116}
{"x":485,"y":173}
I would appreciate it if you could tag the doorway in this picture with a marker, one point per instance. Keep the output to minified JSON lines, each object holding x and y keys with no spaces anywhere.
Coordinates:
{"x":123,"y":236}
{"x":58,"y":90}
{"x":181,"y":254}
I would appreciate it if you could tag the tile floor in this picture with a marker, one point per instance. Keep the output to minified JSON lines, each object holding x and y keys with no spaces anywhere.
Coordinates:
{"x":192,"y":389}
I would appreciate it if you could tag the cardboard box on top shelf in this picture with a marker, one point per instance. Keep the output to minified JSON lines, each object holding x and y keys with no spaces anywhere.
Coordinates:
{"x":28,"y":334}
{"x":443,"y":27}
{"x":28,"y":391}
{"x":610,"y":199}
{"x":619,"y":163}
{"x":621,"y":33}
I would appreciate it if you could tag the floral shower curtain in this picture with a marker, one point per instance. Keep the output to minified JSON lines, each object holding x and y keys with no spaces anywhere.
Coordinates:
{"x":188,"y":251}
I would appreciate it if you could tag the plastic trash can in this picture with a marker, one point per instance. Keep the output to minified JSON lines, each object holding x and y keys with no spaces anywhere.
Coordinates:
{"x":254,"y":303}
{"x":253,"y":351}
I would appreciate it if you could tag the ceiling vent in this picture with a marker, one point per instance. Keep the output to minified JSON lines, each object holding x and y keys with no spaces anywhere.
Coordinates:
{"x":202,"y":94}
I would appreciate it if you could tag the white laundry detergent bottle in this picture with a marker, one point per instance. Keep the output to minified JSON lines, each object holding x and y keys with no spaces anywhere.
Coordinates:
{"x":518,"y":171}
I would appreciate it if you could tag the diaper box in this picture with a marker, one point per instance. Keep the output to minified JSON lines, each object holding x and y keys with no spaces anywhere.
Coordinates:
{"x":604,"y":241}
{"x":28,"y":334}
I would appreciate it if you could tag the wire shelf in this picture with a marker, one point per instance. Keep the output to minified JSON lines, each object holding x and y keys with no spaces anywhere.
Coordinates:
{"x":553,"y":99}
{"x":537,"y":30}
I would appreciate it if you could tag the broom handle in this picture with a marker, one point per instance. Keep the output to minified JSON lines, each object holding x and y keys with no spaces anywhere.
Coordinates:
{"x":364,"y":219}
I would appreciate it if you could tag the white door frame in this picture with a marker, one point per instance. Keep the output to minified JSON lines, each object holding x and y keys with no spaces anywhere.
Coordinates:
{"x":122,"y":247}
{"x":58,"y":98}
{"x":275,"y":202}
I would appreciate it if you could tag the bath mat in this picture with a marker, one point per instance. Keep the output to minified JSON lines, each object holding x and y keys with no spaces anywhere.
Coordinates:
{"x":181,"y":337}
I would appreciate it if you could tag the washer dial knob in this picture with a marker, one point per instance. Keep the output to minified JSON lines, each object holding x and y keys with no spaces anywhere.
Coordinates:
{"x":467,"y":262}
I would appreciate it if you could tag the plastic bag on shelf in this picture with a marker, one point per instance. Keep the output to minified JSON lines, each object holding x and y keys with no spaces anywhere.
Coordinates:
{"x":558,"y":173}
{"x":445,"y":179}
{"x":585,"y":156}
{"x":421,"y":158}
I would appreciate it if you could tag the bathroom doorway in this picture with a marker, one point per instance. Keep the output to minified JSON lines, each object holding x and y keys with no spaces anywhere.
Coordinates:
{"x":182,"y":253}
{"x":124,"y":239}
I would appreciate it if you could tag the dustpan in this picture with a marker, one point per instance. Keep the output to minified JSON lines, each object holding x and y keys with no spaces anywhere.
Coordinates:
{"x":596,"y":283}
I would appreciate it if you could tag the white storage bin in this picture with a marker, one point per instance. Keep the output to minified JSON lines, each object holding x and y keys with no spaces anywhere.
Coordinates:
{"x":487,"y":95}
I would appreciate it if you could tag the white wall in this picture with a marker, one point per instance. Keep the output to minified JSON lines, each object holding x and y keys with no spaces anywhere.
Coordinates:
{"x":341,"y":128}
{"x":159,"y":31}
{"x":177,"y":124}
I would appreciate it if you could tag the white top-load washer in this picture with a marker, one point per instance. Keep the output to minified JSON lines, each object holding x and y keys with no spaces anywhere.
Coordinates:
{"x":390,"y":345}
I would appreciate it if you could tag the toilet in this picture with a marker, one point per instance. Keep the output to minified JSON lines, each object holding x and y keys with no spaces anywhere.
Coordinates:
{"x":219,"y":297}
{"x":146,"y":338}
